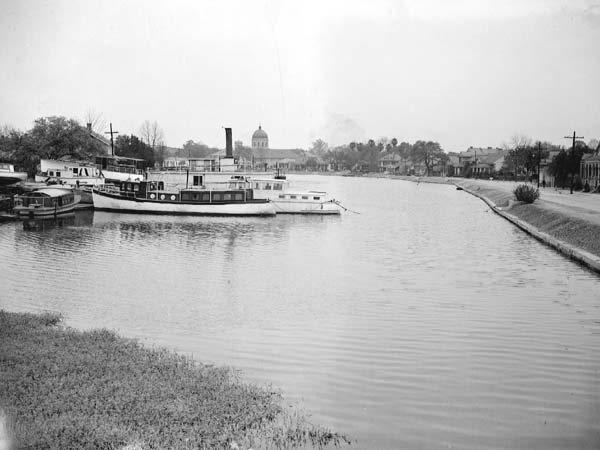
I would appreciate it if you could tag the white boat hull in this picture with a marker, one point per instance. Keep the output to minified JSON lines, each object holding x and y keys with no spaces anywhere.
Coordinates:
{"x":300,"y":207}
{"x":109,"y":202}
{"x":7,"y":179}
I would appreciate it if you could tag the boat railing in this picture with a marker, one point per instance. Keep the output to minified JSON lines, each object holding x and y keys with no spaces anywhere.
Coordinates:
{"x":108,"y":188}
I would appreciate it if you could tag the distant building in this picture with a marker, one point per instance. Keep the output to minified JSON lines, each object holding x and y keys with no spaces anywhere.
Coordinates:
{"x":264,"y":158}
{"x":480,"y":162}
{"x":390,"y":163}
{"x":590,"y":170}
{"x":260,"y":139}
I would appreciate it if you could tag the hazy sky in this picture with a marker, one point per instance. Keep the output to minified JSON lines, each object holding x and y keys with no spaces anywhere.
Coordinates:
{"x":465,"y":72}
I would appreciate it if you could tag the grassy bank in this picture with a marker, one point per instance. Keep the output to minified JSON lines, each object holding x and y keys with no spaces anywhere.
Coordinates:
{"x":62,"y":388}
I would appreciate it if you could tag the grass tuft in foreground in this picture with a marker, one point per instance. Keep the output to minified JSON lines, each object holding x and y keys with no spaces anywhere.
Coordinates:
{"x":63,"y":388}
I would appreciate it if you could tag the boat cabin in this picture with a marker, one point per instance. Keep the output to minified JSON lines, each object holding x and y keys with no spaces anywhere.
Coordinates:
{"x":113,"y":165}
{"x":156,"y":191}
{"x":46,"y":198}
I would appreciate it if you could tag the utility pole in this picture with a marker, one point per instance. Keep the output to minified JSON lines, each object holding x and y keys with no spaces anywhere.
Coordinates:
{"x":539,"y":161}
{"x":112,"y":144}
{"x":573,"y":155}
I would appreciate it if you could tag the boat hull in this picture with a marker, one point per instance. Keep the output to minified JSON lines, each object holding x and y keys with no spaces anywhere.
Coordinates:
{"x":43,"y":211}
{"x":291,"y":207}
{"x":12,"y":178}
{"x":110,"y":202}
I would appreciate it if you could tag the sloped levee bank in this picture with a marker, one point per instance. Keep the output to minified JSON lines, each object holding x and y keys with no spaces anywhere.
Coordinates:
{"x":62,"y":388}
{"x":573,"y":236}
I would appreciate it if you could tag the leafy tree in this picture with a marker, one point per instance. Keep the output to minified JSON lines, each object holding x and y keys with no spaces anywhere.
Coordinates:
{"x":18,"y":148}
{"x":428,"y":153}
{"x":559,"y":168}
{"x":319,"y":148}
{"x":566,"y":164}
{"x":394,"y":142}
{"x":193,"y":149}
{"x":56,"y":137}
{"x":52,"y":137}
{"x":133,"y":147}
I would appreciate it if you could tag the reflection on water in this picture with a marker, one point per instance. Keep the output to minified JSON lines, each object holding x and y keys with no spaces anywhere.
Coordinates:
{"x":425,"y":321}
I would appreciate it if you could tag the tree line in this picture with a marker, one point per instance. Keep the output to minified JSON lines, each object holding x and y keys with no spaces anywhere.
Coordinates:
{"x":365,"y":157}
{"x":57,"y":137}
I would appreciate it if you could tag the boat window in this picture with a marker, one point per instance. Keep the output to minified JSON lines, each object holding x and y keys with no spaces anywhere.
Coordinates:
{"x":57,"y":173}
{"x":239,"y":197}
{"x":227,"y":197}
{"x":268,"y":187}
{"x":292,"y":196}
{"x":85,"y":171}
{"x":136,"y":187}
{"x":316,"y":198}
{"x":256,"y":185}
{"x":161,"y":185}
{"x":51,"y":173}
{"x":75,"y":171}
{"x":277,"y":187}
{"x":281,"y":196}
{"x":197,"y":181}
{"x":206,"y":197}
{"x":195,"y":196}
{"x":216,"y":197}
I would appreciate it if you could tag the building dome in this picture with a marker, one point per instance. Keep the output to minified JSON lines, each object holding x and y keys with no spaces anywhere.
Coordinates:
{"x":260,"y":133}
{"x":260,"y":139}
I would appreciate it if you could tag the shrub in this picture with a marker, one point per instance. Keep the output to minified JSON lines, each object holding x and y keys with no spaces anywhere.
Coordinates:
{"x":526,"y":193}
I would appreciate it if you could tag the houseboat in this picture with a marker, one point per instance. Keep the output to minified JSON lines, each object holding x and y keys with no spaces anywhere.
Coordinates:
{"x":9,"y":176}
{"x":152,"y":197}
{"x":72,"y":173}
{"x":80,"y":175}
{"x":46,"y":202}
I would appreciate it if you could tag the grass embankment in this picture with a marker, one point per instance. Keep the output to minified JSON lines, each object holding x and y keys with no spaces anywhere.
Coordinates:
{"x":575,"y":231}
{"x":62,"y":388}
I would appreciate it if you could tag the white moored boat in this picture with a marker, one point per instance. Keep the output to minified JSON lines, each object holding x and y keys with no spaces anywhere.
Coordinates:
{"x":72,"y":173}
{"x":287,"y":200}
{"x":152,"y":198}
{"x":9,"y":176}
{"x":46,"y":202}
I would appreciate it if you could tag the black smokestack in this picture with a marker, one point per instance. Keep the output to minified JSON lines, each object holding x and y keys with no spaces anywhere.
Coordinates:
{"x":228,"y":144}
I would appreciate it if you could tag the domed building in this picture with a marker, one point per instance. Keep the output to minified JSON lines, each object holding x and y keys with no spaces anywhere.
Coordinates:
{"x":260,"y":139}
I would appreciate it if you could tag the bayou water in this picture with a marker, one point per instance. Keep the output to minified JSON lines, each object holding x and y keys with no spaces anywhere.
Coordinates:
{"x":424,"y":321}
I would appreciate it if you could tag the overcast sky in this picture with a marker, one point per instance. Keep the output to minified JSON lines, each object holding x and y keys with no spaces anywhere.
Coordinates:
{"x":460,"y":72}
